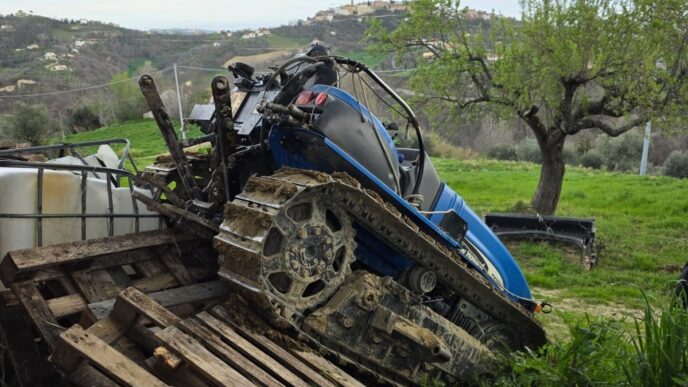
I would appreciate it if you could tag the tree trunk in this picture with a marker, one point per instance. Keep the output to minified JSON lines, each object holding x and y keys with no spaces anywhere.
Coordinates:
{"x":548,"y":190}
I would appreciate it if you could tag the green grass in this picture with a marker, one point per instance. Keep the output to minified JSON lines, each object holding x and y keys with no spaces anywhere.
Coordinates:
{"x":642,"y":224}
{"x":146,"y":141}
{"x":602,"y":352}
{"x":365,"y":57}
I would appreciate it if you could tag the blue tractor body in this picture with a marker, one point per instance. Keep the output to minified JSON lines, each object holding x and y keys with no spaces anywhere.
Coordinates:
{"x":327,"y":156}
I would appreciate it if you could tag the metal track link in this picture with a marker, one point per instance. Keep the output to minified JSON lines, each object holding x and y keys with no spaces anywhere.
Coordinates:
{"x":262,"y":226}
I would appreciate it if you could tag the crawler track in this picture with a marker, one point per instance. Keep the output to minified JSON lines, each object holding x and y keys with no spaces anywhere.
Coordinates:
{"x":258,"y":230}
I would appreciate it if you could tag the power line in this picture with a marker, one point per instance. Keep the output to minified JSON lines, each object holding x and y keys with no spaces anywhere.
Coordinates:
{"x":137,"y":77}
{"x":81,"y":88}
{"x":200,"y":68}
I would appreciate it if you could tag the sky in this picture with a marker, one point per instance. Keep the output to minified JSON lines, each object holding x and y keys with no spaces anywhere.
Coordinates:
{"x":203,"y":14}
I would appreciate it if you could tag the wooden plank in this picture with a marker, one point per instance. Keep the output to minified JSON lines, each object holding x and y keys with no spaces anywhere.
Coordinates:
{"x":96,"y":285}
{"x":201,"y":359}
{"x":154,"y":282}
{"x":8,"y":298}
{"x":250,"y":351}
{"x":179,"y":376}
{"x":66,"y":305}
{"x":274,"y":350}
{"x":326,"y":367}
{"x":169,"y":255}
{"x":35,"y":306}
{"x":171,"y":297}
{"x":100,"y":262}
{"x":119,"y":259}
{"x":107,"y":329}
{"x":132,"y":303}
{"x":28,"y":260}
{"x":104,"y":357}
{"x":30,"y":366}
{"x":88,"y":376}
{"x":149,"y":267}
{"x":229,"y":355}
{"x":76,"y":303}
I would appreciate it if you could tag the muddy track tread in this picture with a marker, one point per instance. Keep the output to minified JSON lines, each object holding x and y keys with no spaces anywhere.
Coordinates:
{"x":377,"y":215}
{"x":265,"y":194}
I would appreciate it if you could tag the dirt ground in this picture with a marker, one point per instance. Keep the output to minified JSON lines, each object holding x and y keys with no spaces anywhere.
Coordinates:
{"x":554,"y":322}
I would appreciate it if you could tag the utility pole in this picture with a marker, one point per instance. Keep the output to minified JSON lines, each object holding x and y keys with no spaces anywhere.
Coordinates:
{"x":182,"y":129}
{"x":646,"y":148}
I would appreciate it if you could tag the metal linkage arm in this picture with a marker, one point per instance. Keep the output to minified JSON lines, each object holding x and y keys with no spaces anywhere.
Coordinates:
{"x":150,"y":92}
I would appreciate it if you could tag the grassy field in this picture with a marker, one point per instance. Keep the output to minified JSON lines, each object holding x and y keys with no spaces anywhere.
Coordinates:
{"x":146,"y":142}
{"x":642,"y":225}
{"x":642,"y":228}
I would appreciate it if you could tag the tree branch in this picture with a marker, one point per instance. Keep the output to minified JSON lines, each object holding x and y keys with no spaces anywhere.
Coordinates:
{"x":534,"y":122}
{"x":612,"y":126}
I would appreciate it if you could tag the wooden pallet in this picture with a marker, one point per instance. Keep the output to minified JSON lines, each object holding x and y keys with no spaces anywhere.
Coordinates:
{"x":143,"y":309}
{"x":206,"y":349}
{"x":54,"y":287}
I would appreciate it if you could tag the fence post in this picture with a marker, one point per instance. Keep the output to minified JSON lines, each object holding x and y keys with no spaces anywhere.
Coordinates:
{"x":182,"y":128}
{"x":646,"y":148}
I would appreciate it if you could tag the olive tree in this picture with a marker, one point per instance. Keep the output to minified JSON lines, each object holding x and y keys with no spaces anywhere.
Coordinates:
{"x":30,"y":123}
{"x":565,"y":67}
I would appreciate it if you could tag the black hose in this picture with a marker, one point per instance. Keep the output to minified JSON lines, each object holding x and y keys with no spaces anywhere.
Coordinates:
{"x":271,"y":81}
{"x":358,"y":65}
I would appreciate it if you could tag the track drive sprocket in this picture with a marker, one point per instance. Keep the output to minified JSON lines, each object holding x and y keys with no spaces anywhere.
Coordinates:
{"x":287,"y":255}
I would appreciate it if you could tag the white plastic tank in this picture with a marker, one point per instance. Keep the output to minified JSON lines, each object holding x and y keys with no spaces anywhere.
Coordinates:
{"x":61,"y":194}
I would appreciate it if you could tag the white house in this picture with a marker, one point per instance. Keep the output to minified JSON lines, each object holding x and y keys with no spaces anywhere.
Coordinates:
{"x":57,"y":67}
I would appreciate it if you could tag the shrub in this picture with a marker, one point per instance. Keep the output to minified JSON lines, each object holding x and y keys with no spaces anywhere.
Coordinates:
{"x":83,"y":119}
{"x":592,"y":159}
{"x":503,"y":152}
{"x":571,"y":157}
{"x":529,"y":150}
{"x":30,"y":123}
{"x":676,"y":165}
{"x":436,"y":145}
{"x":621,"y":153}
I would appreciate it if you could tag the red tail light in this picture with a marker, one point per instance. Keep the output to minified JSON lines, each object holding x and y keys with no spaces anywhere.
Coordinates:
{"x":321,"y":99}
{"x":304,"y":97}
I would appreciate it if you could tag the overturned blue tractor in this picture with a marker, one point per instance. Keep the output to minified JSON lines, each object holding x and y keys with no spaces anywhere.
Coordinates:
{"x":336,"y":234}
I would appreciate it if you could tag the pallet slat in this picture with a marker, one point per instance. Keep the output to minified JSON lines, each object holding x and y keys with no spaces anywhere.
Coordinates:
{"x":27,"y":260}
{"x":228,"y":354}
{"x":38,"y":310}
{"x":132,"y":303}
{"x":270,"y":347}
{"x":171,"y":297}
{"x":201,"y":359}
{"x":250,"y":350}
{"x":105,"y":358}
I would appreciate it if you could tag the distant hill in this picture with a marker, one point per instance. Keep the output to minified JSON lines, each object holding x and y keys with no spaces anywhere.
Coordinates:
{"x":49,"y":54}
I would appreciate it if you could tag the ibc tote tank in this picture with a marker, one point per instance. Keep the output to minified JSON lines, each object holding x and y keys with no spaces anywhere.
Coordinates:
{"x":61,"y":194}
